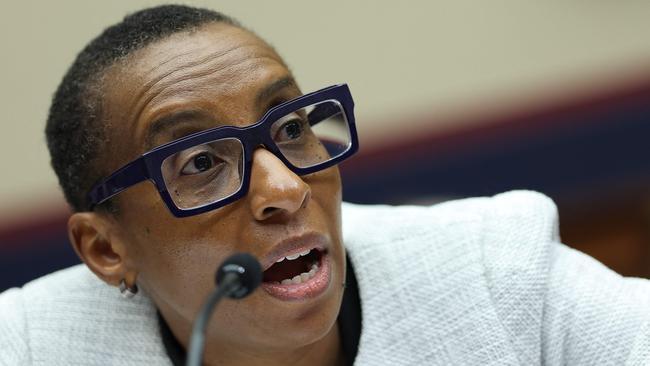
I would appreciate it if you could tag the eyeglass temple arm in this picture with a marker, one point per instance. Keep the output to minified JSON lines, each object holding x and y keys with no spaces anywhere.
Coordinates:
{"x":127,"y":176}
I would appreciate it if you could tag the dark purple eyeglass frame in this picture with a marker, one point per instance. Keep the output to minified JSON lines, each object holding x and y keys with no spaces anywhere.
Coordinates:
{"x":149,"y":165}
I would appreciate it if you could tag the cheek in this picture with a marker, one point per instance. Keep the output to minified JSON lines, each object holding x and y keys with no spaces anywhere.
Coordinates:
{"x":326,"y":192}
{"x":177,"y":268}
{"x":177,"y":258}
{"x":326,"y":186}
{"x":181,"y":270}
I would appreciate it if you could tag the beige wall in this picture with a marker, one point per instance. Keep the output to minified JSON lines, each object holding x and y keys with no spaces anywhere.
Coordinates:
{"x":400,"y":58}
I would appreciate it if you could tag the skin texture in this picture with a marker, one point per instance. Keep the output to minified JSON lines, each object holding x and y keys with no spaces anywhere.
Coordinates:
{"x":218,"y":69}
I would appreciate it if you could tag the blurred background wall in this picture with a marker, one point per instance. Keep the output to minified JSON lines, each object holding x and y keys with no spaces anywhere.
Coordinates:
{"x":453,"y":99}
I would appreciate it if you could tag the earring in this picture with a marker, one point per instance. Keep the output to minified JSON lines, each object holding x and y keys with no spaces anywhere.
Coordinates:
{"x":126,"y":291}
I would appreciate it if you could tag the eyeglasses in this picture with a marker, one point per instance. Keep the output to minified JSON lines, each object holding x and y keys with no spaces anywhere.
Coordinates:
{"x":211,"y":168}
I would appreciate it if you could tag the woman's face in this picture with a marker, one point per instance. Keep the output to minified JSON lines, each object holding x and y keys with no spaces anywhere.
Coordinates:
{"x":230,"y":77}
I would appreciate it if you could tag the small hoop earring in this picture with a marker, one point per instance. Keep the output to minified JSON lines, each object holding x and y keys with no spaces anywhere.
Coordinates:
{"x":126,"y":291}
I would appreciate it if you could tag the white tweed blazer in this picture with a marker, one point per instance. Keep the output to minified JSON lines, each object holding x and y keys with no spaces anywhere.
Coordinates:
{"x":481,"y":281}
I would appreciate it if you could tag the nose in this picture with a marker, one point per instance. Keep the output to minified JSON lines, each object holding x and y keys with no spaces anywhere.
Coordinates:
{"x":275,"y":190}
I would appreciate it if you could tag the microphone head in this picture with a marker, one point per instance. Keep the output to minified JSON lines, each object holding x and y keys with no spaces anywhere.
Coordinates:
{"x":246,"y":268}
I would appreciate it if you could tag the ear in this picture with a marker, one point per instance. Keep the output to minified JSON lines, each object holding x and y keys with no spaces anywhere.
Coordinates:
{"x":94,"y":240}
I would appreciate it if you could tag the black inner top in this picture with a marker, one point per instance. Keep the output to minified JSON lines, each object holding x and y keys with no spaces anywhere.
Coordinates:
{"x":349,"y":323}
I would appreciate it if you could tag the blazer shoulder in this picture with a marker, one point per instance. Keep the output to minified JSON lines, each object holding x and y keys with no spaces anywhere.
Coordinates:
{"x":491,"y":253}
{"x":70,"y":314}
{"x":526,"y":210}
{"x":519,"y":228}
{"x":518,"y":238}
{"x":20,"y":309}
{"x":14,"y":340}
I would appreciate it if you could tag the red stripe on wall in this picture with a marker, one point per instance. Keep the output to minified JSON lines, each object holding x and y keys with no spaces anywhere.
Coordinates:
{"x":33,"y":230}
{"x":515,"y":124}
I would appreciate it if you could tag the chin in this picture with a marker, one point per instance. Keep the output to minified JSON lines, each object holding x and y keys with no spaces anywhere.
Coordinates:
{"x":295,"y":315}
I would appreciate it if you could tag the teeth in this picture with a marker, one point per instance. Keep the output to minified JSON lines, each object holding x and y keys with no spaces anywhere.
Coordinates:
{"x":295,"y":256}
{"x":303,"y":277}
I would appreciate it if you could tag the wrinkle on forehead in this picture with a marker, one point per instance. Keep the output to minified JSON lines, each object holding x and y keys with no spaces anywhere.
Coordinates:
{"x":196,"y":85}
{"x":174,"y":81}
{"x":175,"y":65}
{"x":158,"y":74}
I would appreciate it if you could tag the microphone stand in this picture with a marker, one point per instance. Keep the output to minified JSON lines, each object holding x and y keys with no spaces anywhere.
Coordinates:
{"x":197,"y":341}
{"x":237,"y":277}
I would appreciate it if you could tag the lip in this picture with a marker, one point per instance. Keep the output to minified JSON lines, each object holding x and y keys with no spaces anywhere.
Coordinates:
{"x":306,"y":290}
{"x":293,"y":246}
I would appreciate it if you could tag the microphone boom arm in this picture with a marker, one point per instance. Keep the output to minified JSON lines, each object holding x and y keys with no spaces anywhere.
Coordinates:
{"x":229,"y":284}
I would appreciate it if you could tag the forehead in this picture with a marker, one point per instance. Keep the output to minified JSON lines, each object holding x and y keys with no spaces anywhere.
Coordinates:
{"x":217,"y":69}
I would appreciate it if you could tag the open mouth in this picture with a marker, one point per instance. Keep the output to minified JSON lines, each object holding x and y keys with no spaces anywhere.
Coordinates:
{"x":294,"y":269}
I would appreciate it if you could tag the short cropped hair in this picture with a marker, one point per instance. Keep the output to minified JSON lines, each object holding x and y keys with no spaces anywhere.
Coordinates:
{"x":74,"y":132}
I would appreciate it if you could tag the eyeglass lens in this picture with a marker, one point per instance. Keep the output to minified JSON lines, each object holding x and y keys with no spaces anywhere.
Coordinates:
{"x":210,"y":172}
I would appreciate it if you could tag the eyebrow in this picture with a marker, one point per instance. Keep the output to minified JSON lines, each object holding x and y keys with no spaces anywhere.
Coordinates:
{"x":276,"y":86}
{"x":174,"y":120}
{"x":192,"y":116}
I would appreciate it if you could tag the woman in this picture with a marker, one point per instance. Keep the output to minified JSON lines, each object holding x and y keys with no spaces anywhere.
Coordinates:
{"x":481,"y":281}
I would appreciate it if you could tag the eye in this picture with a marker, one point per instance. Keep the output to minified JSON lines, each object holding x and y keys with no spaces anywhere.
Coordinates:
{"x":291,"y":130}
{"x":199,"y":164}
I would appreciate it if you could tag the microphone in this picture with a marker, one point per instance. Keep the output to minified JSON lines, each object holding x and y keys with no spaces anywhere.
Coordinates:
{"x":237,"y":277}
